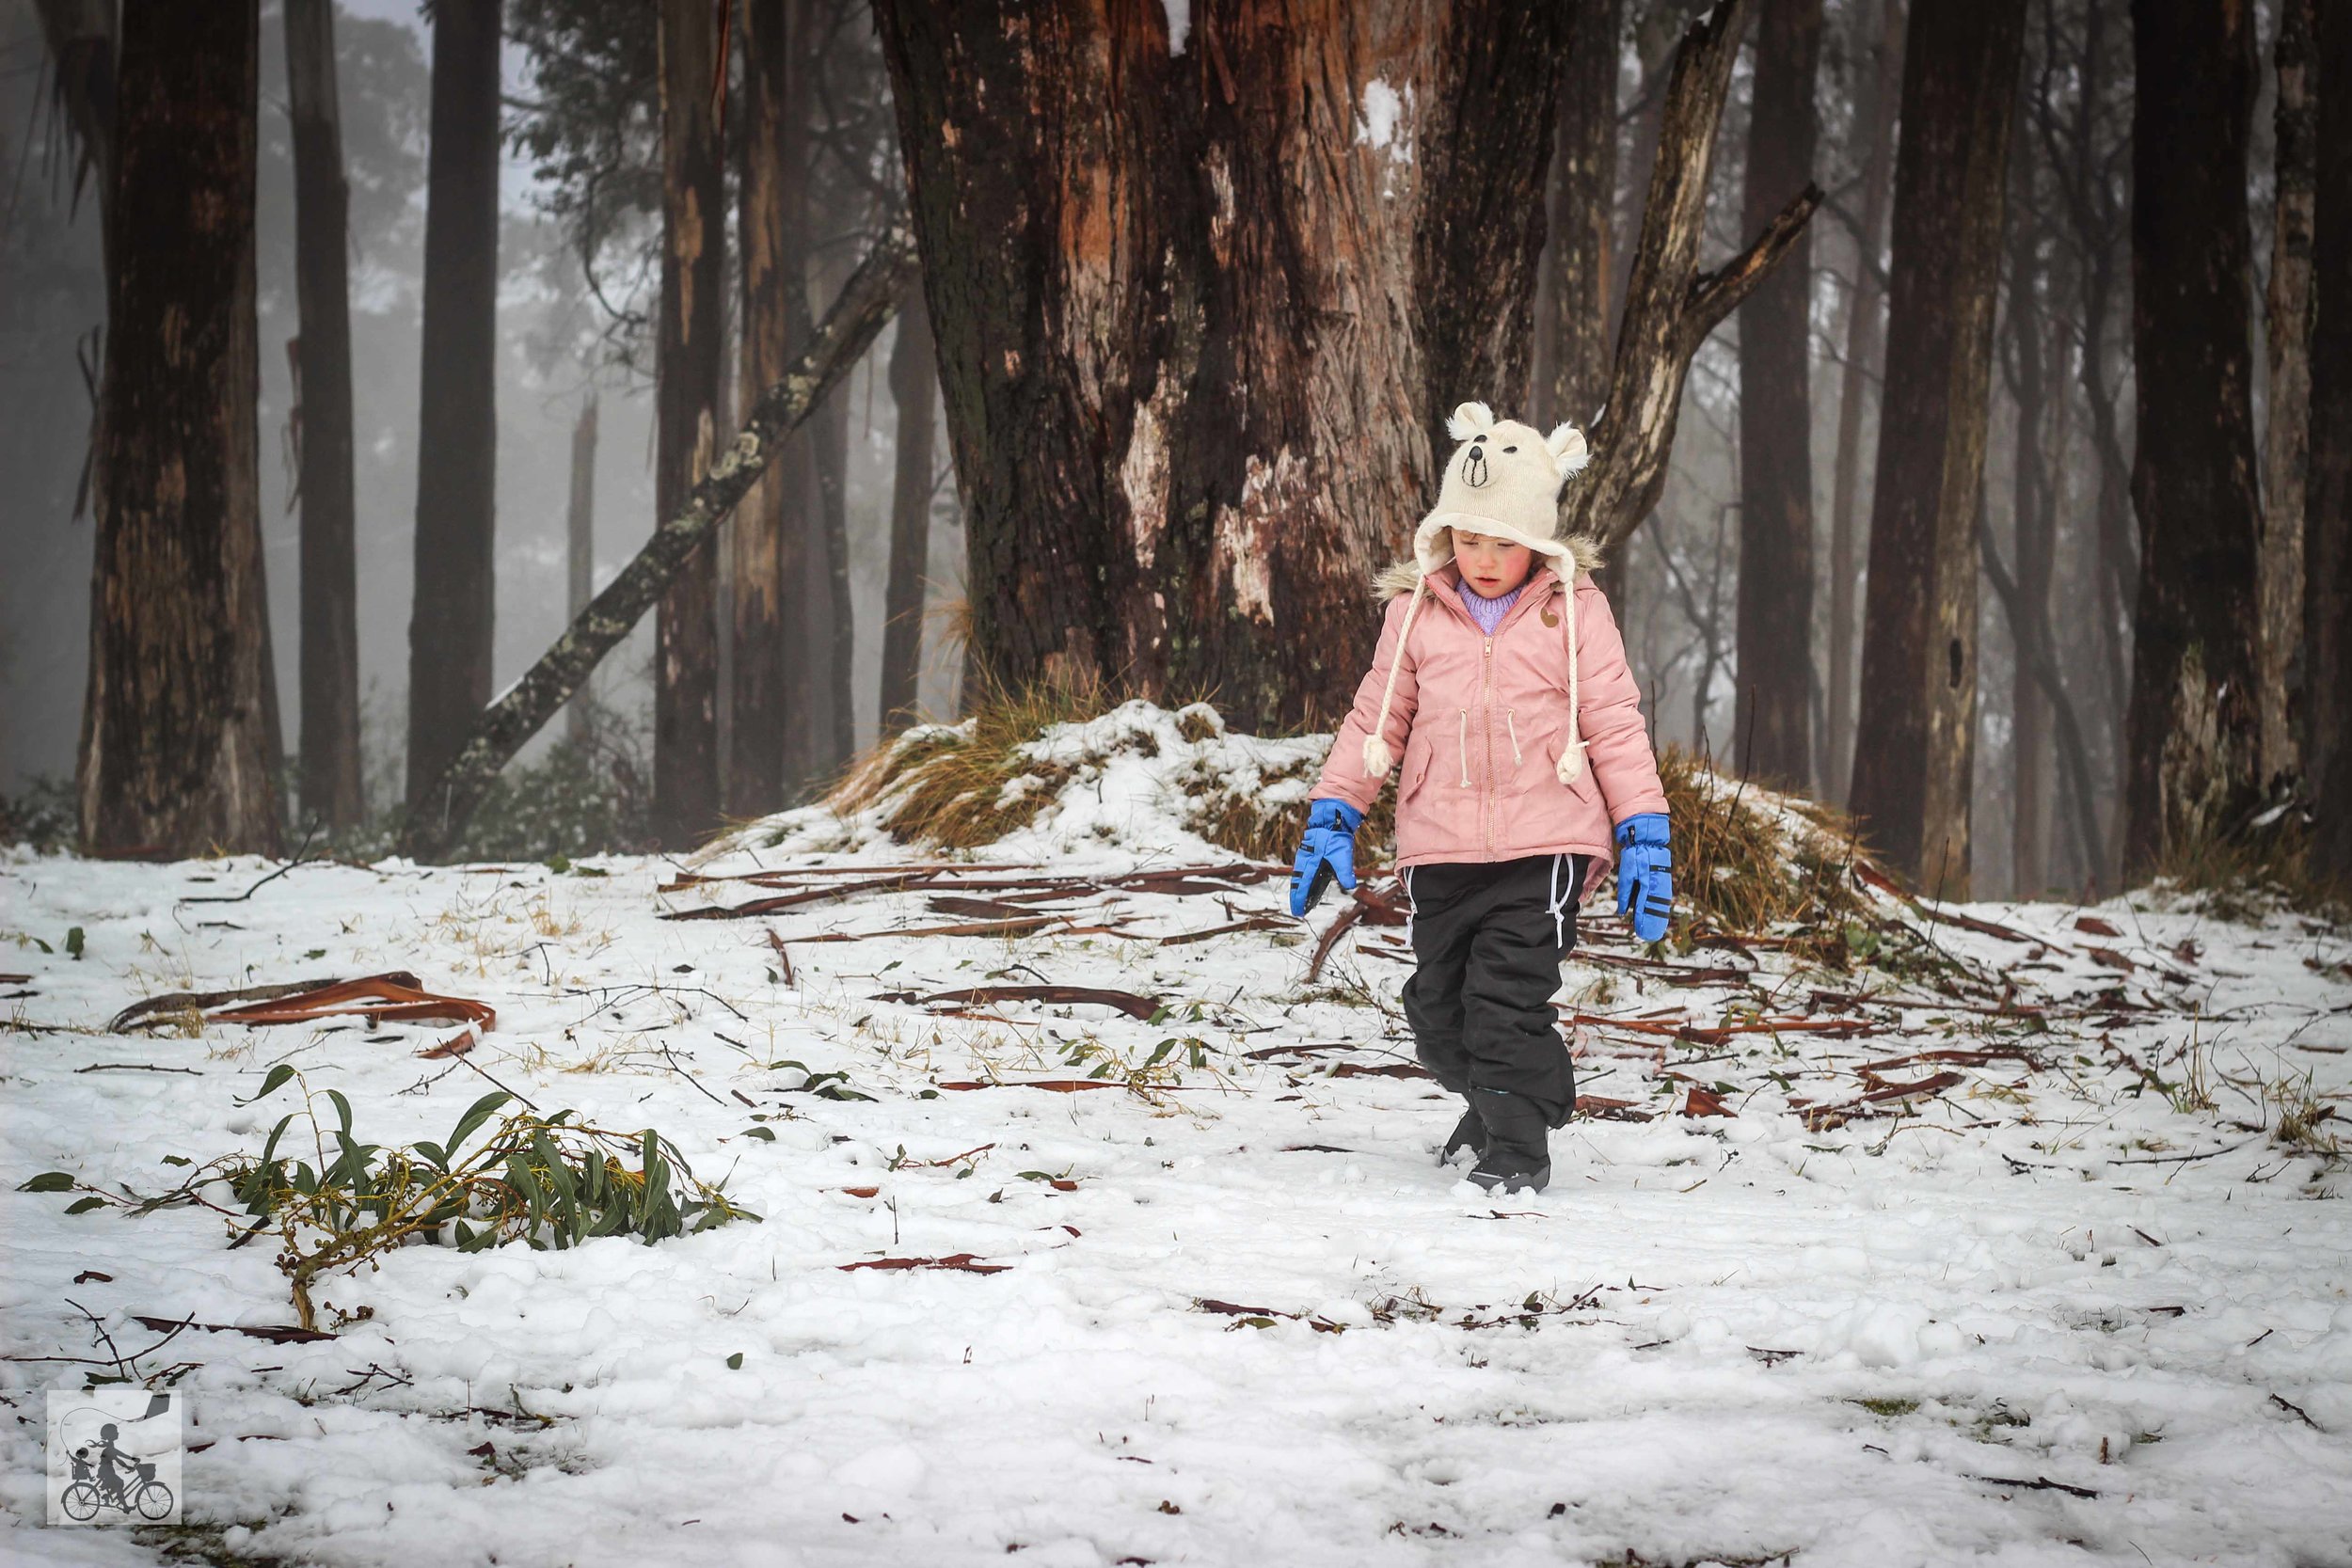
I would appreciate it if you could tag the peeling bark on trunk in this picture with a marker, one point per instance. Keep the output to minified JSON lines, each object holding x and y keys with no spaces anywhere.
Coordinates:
{"x":2328,"y":499}
{"x":174,"y":757}
{"x":451,"y":625}
{"x":331,"y":783}
{"x":1773,"y":717}
{"x":766,"y":534}
{"x":579,"y":531}
{"x":1670,"y":305}
{"x":837,"y":344}
{"x":690,"y":360}
{"x":2286,"y":445}
{"x":2194,"y":727}
{"x":914,"y":387}
{"x":1865,"y":333}
{"x":1199,"y":315}
{"x":1572,"y":335}
{"x":1915,"y":743}
{"x":81,"y":39}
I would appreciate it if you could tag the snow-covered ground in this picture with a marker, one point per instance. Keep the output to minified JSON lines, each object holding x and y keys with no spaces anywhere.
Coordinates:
{"x":2079,"y":1304}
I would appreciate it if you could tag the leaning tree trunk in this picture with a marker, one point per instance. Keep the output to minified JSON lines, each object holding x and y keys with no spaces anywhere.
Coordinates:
{"x":1199,"y":326}
{"x":1572,"y":335}
{"x":1773,"y":714}
{"x":1669,"y":306}
{"x":1865,"y":331}
{"x":501,"y":731}
{"x":767,"y":534}
{"x":1914,"y":745}
{"x":174,"y":754}
{"x":331,"y":786}
{"x":2287,"y":441}
{"x":2328,"y":501}
{"x":914,"y":387}
{"x":450,"y":624}
{"x":2193,"y":730}
{"x":689,"y":358}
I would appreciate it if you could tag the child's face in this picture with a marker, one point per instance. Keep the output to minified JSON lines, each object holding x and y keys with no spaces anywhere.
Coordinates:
{"x":1491,"y":566}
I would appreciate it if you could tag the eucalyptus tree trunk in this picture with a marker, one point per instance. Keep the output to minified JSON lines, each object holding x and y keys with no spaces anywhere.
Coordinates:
{"x":914,"y":387}
{"x":2328,"y":501}
{"x":1199,"y":327}
{"x":1865,"y":334}
{"x":690,"y":360}
{"x":174,"y":756}
{"x":1773,"y":714}
{"x":331,"y":782}
{"x":453,"y":619}
{"x":1914,"y":744}
{"x":579,"y":533}
{"x":2193,"y":731}
{"x":2287,"y":440}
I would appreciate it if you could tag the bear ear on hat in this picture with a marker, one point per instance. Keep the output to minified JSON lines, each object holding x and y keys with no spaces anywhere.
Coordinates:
{"x":1566,"y":445}
{"x":1468,"y":419}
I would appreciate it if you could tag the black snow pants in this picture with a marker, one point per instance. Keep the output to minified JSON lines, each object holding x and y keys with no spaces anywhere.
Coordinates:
{"x":1488,"y":938}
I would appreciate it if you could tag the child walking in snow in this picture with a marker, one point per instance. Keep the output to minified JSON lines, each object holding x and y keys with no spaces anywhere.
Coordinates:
{"x":1526,"y":769}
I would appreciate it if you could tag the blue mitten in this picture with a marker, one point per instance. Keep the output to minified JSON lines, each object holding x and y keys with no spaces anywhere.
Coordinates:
{"x":1645,"y":884}
{"x":1326,"y":853}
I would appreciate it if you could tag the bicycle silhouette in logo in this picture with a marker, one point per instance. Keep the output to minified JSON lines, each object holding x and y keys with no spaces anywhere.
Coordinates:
{"x":105,"y":1477}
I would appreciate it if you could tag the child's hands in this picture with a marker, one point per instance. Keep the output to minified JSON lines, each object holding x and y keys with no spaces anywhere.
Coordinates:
{"x":1326,"y":853}
{"x":1645,"y":884}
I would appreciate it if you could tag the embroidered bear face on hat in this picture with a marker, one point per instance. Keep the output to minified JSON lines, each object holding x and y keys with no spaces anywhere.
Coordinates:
{"x":1502,"y":481}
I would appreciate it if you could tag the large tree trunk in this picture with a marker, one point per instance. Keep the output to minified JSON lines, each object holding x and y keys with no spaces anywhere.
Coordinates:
{"x":1671,"y":306}
{"x":914,"y":387}
{"x":2193,"y":733}
{"x":768,"y":532}
{"x":2033,"y":509}
{"x":174,"y":757}
{"x":2286,"y":446}
{"x":1914,"y":744}
{"x":1865,"y":331}
{"x":579,"y":533}
{"x":500,"y":731}
{"x":1773,"y":715}
{"x":331,"y":785}
{"x":1199,"y":326}
{"x":1572,"y":325}
{"x":451,"y":625}
{"x":2328,"y":501}
{"x":690,"y":360}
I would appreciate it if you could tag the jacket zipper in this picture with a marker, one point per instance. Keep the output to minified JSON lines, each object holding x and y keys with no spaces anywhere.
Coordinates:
{"x":1485,"y":799}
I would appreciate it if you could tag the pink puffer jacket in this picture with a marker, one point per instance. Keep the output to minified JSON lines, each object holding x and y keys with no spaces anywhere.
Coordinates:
{"x":1481,"y":723}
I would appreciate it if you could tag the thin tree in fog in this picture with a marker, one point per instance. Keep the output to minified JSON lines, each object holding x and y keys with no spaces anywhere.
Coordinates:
{"x":1573,"y":330}
{"x":451,"y":622}
{"x":1773,"y":712}
{"x":2194,"y":726}
{"x":331,"y":781}
{"x":1862,"y":334}
{"x":913,"y":388}
{"x":689,"y":359}
{"x":175,"y":751}
{"x":1916,"y":739}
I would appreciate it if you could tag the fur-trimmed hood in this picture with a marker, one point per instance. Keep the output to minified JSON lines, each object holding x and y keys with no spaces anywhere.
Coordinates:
{"x":1581,"y":553}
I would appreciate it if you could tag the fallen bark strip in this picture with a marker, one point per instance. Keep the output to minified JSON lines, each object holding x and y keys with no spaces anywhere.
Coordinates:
{"x":439,"y":816}
{"x":2038,"y":1483}
{"x":1142,"y":1008}
{"x":1050,"y":1085}
{"x":1019,"y":927}
{"x":1348,"y":917}
{"x":181,"y":1001}
{"x":964,"y":1262}
{"x":277,"y":1335}
{"x":1255,"y":923}
{"x":1957,"y":1058}
{"x":377,"y":998}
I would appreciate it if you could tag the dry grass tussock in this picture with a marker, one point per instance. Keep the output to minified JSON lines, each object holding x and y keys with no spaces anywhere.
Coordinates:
{"x":1749,"y":859}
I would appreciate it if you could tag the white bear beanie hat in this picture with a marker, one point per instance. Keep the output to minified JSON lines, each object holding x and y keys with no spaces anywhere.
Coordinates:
{"x":1502,"y":481}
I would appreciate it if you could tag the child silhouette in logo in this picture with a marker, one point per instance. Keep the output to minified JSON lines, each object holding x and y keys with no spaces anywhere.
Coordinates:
{"x":110,"y":1480}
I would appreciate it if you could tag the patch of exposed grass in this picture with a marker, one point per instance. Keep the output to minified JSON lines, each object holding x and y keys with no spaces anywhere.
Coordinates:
{"x":1747,"y":860}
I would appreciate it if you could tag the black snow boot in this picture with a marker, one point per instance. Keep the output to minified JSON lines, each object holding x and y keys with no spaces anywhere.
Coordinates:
{"x":1517,"y":1154}
{"x":1469,"y":1133}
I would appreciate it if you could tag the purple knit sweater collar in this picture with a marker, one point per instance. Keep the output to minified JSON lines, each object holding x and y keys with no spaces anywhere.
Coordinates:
{"x":1488,"y":613}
